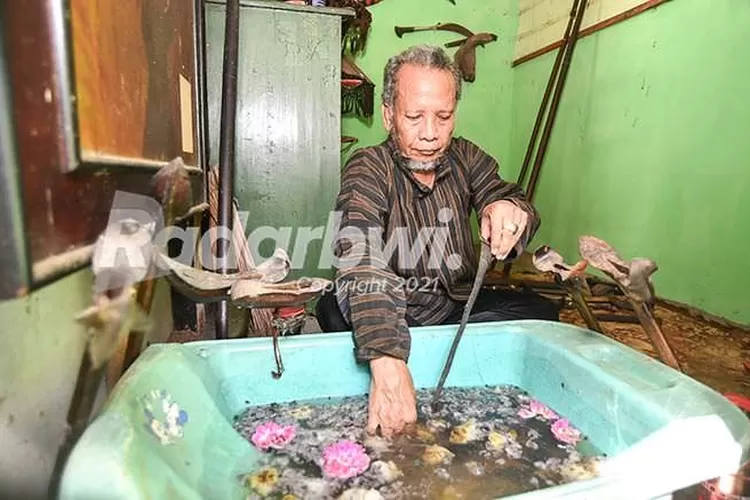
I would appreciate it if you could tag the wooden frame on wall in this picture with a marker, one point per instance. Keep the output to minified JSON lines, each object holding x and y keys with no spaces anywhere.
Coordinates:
{"x":92,"y":111}
{"x":595,"y":20}
{"x":133,"y":81}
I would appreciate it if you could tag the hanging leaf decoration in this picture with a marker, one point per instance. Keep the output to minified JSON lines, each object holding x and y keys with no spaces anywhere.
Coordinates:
{"x":357,"y":90}
{"x":355,"y":29}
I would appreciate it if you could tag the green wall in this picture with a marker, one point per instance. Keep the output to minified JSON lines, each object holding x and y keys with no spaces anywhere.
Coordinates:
{"x":40,"y":350}
{"x":41,"y":347}
{"x":652,"y":142}
{"x":651,"y":148}
{"x":484,"y":113}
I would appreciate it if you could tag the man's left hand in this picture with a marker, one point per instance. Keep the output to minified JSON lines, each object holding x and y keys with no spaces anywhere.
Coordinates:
{"x":503,"y":224}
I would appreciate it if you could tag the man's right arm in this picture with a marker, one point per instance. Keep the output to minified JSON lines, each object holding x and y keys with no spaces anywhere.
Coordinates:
{"x":373,"y":292}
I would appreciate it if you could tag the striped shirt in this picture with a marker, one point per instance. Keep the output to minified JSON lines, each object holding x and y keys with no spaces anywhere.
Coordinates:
{"x":405,"y":252}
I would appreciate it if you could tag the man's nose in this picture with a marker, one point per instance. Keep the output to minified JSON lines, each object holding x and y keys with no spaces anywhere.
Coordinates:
{"x":429,"y":129}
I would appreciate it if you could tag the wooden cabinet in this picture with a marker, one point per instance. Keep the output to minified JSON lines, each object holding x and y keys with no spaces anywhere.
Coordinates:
{"x":288,"y":135}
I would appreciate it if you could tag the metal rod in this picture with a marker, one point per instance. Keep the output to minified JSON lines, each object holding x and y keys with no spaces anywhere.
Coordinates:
{"x":547,"y":93}
{"x":552,"y":83}
{"x":226,"y":147}
{"x":533,"y":179}
{"x":484,"y":261}
{"x":277,"y":355}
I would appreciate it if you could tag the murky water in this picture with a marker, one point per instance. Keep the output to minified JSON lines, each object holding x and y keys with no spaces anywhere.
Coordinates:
{"x":482,"y":443}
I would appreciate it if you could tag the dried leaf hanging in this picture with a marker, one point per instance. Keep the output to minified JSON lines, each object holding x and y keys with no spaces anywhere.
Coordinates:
{"x":357,"y":90}
{"x":355,"y":29}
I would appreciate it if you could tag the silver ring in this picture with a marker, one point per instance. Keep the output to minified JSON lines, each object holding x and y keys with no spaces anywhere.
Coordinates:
{"x":511,"y":227}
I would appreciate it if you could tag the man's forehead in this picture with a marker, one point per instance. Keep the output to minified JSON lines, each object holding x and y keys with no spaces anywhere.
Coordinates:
{"x":421,"y":82}
{"x":411,"y":70}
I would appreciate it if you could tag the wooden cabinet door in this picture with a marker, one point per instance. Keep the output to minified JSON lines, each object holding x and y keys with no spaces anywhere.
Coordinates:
{"x":287,"y":169}
{"x":100,"y":94}
{"x":133,"y":77}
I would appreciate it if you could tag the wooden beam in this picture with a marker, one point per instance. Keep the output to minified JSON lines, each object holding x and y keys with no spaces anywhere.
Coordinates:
{"x":650,"y":4}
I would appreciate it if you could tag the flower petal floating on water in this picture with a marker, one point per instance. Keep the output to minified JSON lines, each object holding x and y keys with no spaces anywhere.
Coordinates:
{"x":437,"y":425}
{"x":273,"y":435}
{"x":345,"y":459}
{"x":526,"y":414}
{"x":579,"y":471}
{"x":435,"y":454}
{"x":565,"y":433}
{"x":378,"y":444}
{"x":315,"y":488}
{"x":495,"y":440}
{"x":536,"y":408}
{"x":264,"y":481}
{"x":361,"y":494}
{"x":451,"y":493}
{"x":514,"y":450}
{"x":474,"y":468}
{"x":387,"y":471}
{"x":465,"y":433}
{"x":442,"y":474}
{"x":301,"y":413}
{"x":423,"y":434}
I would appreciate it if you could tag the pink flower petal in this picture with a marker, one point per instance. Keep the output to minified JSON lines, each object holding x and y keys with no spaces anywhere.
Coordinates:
{"x":273,"y":435}
{"x":542,"y":410}
{"x":526,"y":413}
{"x":536,"y":408}
{"x":345,"y":459}
{"x":549,"y":414}
{"x":565,"y":433}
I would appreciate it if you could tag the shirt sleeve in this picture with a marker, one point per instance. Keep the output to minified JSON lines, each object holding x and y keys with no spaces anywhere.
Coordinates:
{"x":488,"y":187}
{"x":368,"y":291}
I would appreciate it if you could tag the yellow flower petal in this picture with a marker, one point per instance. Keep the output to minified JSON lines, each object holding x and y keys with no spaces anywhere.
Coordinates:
{"x":435,"y":454}
{"x":451,"y":493}
{"x":496,"y":440}
{"x":300,"y":413}
{"x":423,"y":434}
{"x":437,"y":425}
{"x":464,"y":433}
{"x":264,"y":480}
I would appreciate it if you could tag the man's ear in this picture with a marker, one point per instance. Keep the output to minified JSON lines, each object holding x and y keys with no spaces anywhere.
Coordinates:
{"x":387,"y":117}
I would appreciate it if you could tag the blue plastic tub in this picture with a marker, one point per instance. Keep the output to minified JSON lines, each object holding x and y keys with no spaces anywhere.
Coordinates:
{"x":166,"y":430}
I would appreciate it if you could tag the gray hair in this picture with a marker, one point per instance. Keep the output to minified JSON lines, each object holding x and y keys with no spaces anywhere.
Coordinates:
{"x":427,"y":56}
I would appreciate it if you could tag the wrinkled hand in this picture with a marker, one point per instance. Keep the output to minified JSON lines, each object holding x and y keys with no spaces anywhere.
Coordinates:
{"x":393,"y":400}
{"x":503,"y":224}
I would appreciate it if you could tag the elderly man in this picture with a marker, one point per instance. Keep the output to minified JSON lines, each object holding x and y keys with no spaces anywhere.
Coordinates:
{"x":405,"y":247}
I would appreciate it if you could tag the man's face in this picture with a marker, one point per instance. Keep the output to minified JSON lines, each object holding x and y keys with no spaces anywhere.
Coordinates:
{"x":423,"y":115}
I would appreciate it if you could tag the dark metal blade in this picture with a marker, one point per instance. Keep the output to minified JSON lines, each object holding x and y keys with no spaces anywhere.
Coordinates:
{"x":485,"y":258}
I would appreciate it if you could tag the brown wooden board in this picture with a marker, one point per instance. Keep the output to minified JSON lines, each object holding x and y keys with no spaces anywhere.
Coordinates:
{"x":133,"y":75}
